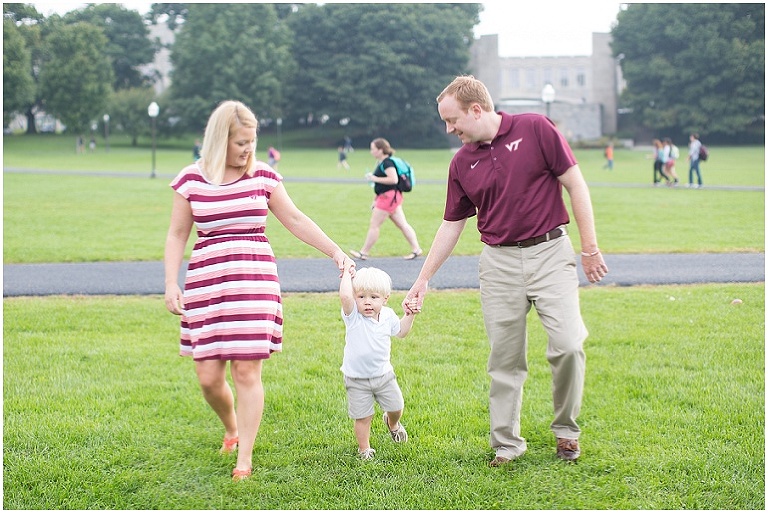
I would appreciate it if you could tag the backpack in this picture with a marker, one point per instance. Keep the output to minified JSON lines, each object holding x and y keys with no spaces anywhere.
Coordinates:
{"x":674,"y":152}
{"x":405,"y":175}
{"x":703,"y":153}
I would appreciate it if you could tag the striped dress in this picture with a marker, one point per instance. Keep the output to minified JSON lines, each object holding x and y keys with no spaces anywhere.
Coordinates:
{"x":232,"y":303}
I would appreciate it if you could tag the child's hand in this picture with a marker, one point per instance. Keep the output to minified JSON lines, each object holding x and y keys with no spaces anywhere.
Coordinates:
{"x":412,"y":306}
{"x":349,"y":267}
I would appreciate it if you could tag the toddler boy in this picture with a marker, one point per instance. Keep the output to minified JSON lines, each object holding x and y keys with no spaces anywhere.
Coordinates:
{"x":368,"y":374}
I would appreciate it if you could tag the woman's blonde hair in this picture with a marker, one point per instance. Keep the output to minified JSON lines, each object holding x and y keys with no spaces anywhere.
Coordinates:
{"x":224,"y":121}
{"x":383,"y":145}
{"x":468,"y":90}
{"x":372,"y":279}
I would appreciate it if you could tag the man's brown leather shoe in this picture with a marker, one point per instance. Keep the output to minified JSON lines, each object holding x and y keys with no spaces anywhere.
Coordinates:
{"x":499,"y":461}
{"x":568,"y":449}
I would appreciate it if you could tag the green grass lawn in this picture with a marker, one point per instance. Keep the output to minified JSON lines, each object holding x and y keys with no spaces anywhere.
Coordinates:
{"x":735,"y":166}
{"x":101,"y":413}
{"x":92,"y":217}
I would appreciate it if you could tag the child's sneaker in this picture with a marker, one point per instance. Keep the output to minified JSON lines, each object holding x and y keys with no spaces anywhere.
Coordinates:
{"x":398,"y":434}
{"x":366,"y":454}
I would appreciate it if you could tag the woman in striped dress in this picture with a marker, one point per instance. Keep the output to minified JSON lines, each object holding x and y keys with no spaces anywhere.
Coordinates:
{"x":231,"y":306}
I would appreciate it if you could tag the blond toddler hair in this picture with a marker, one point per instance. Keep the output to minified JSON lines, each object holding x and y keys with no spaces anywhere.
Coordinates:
{"x":372,"y":279}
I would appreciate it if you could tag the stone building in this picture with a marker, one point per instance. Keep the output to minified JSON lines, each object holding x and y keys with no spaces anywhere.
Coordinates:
{"x":586,"y":87}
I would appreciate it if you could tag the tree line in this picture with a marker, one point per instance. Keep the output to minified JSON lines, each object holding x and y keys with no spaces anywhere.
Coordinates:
{"x":694,"y":68}
{"x":373,"y":68}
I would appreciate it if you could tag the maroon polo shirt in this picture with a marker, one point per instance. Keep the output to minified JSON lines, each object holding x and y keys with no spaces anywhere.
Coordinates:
{"x":511,"y":184}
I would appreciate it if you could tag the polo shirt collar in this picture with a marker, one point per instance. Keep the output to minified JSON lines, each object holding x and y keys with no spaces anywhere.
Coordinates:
{"x":504,"y":128}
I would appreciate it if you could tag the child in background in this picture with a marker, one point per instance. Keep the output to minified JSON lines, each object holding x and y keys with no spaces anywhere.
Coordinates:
{"x":273,"y":157}
{"x":609,"y":157}
{"x":368,"y":374}
{"x":342,"y":159}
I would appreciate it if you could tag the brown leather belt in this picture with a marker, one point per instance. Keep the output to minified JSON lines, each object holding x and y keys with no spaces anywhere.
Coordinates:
{"x":550,"y":235}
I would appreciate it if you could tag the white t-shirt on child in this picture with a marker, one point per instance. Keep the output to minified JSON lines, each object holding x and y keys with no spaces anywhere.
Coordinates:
{"x":368,"y":343}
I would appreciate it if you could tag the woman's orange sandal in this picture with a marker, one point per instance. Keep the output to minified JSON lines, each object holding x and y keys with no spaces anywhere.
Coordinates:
{"x":239,"y":475}
{"x":229,"y":445}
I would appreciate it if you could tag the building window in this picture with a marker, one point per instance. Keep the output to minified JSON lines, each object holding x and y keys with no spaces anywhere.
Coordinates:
{"x":513,"y":79}
{"x":547,"y":76}
{"x":564,"y":77}
{"x":581,"y":77}
{"x":530,"y":79}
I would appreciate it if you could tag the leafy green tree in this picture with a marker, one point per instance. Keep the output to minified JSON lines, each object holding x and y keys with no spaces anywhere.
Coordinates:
{"x":380,"y":65}
{"x":694,"y":68}
{"x":76,"y":79}
{"x":30,"y":24}
{"x":128,"y":44}
{"x":18,"y":85}
{"x":128,"y":111}
{"x":174,"y":14}
{"x":229,"y":51}
{"x":22,"y":13}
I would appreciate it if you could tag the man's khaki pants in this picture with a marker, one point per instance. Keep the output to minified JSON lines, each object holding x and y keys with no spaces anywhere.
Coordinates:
{"x":511,"y":280}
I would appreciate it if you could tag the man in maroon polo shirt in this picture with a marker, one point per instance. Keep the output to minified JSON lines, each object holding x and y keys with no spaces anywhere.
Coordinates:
{"x":510,"y":172}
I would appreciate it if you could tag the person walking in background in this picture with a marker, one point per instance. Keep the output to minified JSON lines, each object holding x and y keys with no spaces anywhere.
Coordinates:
{"x":196,"y":151}
{"x":273,"y":157}
{"x":671,"y":154}
{"x":388,"y":202}
{"x":510,"y":172}
{"x":368,"y":373}
{"x":609,"y":156}
{"x":342,"y":159}
{"x":658,"y":163}
{"x":231,"y":307}
{"x":694,"y":157}
{"x":348,"y":144}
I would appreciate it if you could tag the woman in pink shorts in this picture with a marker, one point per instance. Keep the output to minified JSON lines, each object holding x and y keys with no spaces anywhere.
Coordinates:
{"x":388,"y":203}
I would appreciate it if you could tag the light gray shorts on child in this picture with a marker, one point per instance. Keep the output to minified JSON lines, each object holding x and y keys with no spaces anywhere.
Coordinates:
{"x":363,"y":392}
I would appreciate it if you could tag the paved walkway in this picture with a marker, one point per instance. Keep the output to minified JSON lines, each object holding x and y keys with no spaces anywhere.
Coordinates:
{"x":320,"y":274}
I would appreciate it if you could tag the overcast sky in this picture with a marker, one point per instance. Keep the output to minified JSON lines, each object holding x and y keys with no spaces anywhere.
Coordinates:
{"x":526,"y":29}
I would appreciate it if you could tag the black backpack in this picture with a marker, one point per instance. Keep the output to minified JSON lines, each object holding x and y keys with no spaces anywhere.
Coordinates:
{"x":703,"y":153}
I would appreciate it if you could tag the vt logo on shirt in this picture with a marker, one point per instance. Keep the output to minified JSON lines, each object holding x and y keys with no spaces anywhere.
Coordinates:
{"x":513,"y":145}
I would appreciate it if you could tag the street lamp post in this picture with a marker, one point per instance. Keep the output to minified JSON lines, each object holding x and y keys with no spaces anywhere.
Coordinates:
{"x":279,"y":133}
{"x":153,"y":110}
{"x":106,"y":130}
{"x":548,"y":95}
